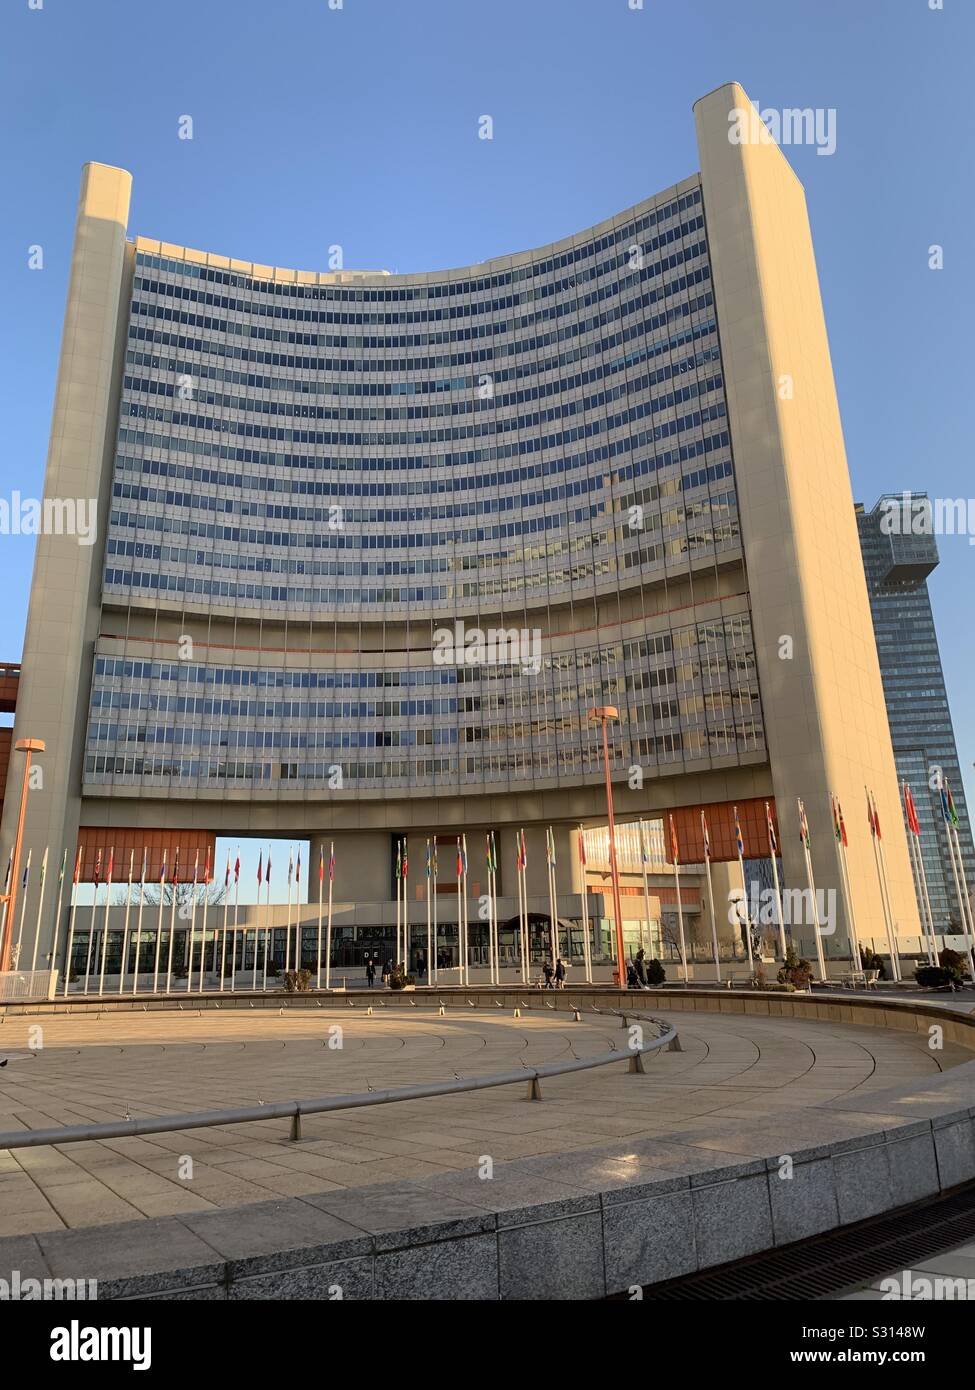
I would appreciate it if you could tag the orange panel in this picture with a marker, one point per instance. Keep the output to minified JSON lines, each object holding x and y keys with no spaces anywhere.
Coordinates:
{"x":92,"y":838}
{"x":9,"y":681}
{"x":720,"y":817}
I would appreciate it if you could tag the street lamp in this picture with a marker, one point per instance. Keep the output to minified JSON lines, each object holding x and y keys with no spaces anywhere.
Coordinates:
{"x":28,"y":746}
{"x":603,"y":714}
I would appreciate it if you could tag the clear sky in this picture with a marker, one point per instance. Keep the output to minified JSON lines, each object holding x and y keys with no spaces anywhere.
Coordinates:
{"x":357,"y":127}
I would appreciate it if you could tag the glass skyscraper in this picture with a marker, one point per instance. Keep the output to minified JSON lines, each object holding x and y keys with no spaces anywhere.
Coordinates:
{"x":897,"y":567}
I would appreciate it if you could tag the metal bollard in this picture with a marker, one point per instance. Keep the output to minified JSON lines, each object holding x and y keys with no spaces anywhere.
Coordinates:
{"x":534,"y":1089}
{"x":636,"y":1065}
{"x":296,"y":1126}
{"x":674,"y":1044}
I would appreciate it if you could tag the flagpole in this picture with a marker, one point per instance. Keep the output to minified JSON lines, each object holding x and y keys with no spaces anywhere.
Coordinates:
{"x":433,"y":965}
{"x":233,"y":954}
{"x":894,"y":963}
{"x":223,"y":933}
{"x":680,"y":906}
{"x":71,"y":920}
{"x":646,"y":882}
{"x":521,"y":908}
{"x":162,"y":898}
{"x":965,"y":899}
{"x":53,"y":957}
{"x":399,"y":879}
{"x":429,"y":905}
{"x":328,"y":933}
{"x":138,"y":927}
{"x":172,"y":924}
{"x":917,"y":864}
{"x":203,"y":928}
{"x":6,"y":902}
{"x":804,"y":836}
{"x":586,"y":943}
{"x":714,"y":920}
{"x":885,"y":892}
{"x":740,"y":844}
{"x":321,"y":885}
{"x":773,"y":855}
{"x":91,"y":928}
{"x":467,"y":944}
{"x":839,"y":834}
{"x":23,"y":913}
{"x":460,"y":922}
{"x":189,"y":947}
{"x":946,"y":809}
{"x":287,"y":930}
{"x":494,"y":918}
{"x":267,"y":928}
{"x":40,"y":905}
{"x":552,"y":913}
{"x":125,"y":929}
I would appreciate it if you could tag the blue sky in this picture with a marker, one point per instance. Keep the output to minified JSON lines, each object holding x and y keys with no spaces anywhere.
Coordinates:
{"x":358,"y":127}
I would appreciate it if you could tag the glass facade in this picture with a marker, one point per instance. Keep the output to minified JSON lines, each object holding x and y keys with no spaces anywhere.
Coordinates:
{"x":897,"y":566}
{"x":398,"y":451}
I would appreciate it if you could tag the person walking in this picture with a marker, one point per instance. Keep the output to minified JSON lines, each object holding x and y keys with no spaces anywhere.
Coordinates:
{"x":387,"y":969}
{"x":421,"y":965}
{"x":370,"y":972}
{"x":640,"y":966}
{"x":548,"y":972}
{"x":560,"y":973}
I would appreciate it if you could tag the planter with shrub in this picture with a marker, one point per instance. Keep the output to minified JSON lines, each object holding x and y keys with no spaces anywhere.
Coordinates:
{"x":297,"y":981}
{"x":795,"y":972}
{"x":656,"y":974}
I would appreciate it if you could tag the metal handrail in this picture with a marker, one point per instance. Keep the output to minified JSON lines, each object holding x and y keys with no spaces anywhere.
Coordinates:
{"x":294,"y":1109}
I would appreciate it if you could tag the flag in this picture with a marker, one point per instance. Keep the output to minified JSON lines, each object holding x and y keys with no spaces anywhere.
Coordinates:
{"x":523,"y":850}
{"x":321,"y":863}
{"x":298,"y":868}
{"x":463,"y":853}
{"x":913,"y":824}
{"x":738,"y":840}
{"x":196,"y":868}
{"x":460,"y":861}
{"x":839,"y":811}
{"x":64,"y":865}
{"x":267,"y":871}
{"x":291,"y":864}
{"x":40,"y":882}
{"x":874,"y":815}
{"x":399,"y":859}
{"x":176,"y":868}
{"x":550,"y":847}
{"x":145,"y":861}
{"x":260,"y":869}
{"x":707,"y":837}
{"x":111,"y":863}
{"x":436,"y":866}
{"x":582,"y":849}
{"x":98,"y":860}
{"x":226,"y":877}
{"x":77,"y":867}
{"x":26,"y":870}
{"x":492,"y":860}
{"x":406,"y":858}
{"x":803,"y":823}
{"x":131,"y":863}
{"x":952,"y":813}
{"x":836,"y":819}
{"x":237,"y":866}
{"x":162,"y":872}
{"x":331,"y":861}
{"x":772,"y":842}
{"x":674,"y":848}
{"x":429,"y":867}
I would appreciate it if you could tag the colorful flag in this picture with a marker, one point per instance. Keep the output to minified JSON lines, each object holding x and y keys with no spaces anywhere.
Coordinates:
{"x":406,"y":858}
{"x":429,"y":864}
{"x":226,"y":877}
{"x":331,"y":861}
{"x":913,"y":824}
{"x":98,"y":862}
{"x":77,"y":867}
{"x":162,"y":872}
{"x":952,"y":813}
{"x":145,"y":861}
{"x":674,"y":847}
{"x":738,"y":840}
{"x":237,"y":867}
{"x":772,"y":842}
{"x":874,"y":815}
{"x":399,"y":859}
{"x":260,"y":869}
{"x":463,"y":853}
{"x":40,"y":882}
{"x":803,"y":823}
{"x":26,"y":871}
{"x":836,"y":818}
{"x":523,"y":850}
{"x":291,"y":864}
{"x":196,"y":868}
{"x":176,"y":868}
{"x":298,"y":867}
{"x":460,"y":861}
{"x":582,"y":849}
{"x":436,"y":864}
{"x":64,"y":865}
{"x":321,"y":863}
{"x":111,"y":863}
{"x":707,"y":837}
{"x":267,"y":871}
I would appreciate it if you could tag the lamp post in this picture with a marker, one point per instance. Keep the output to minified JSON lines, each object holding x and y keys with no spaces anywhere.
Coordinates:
{"x":603,"y":714}
{"x":28,"y":746}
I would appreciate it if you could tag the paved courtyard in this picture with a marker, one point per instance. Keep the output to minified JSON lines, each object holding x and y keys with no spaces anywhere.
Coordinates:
{"x":731,"y":1069}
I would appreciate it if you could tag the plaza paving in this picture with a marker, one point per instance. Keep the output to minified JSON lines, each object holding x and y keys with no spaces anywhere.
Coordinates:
{"x":732,"y":1069}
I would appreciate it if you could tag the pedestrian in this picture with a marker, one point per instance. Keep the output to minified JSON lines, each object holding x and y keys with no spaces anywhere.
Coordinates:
{"x":632,"y":980}
{"x":560,"y":973}
{"x":421,"y":965}
{"x":548,"y":972}
{"x":370,"y":971}
{"x":387,"y":970}
{"x":640,"y":966}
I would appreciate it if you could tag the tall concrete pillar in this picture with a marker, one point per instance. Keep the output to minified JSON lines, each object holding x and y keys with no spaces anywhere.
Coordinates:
{"x":62,"y":621}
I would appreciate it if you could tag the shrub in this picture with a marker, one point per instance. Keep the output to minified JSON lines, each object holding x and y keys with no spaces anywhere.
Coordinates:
{"x":953,"y":962}
{"x":795,"y":971}
{"x":399,"y":979}
{"x":933,"y":977}
{"x":297,"y":981}
{"x":656,"y":974}
{"x":869,"y":960}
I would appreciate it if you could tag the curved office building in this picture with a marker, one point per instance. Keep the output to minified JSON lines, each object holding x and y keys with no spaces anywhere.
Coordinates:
{"x":371,"y":546}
